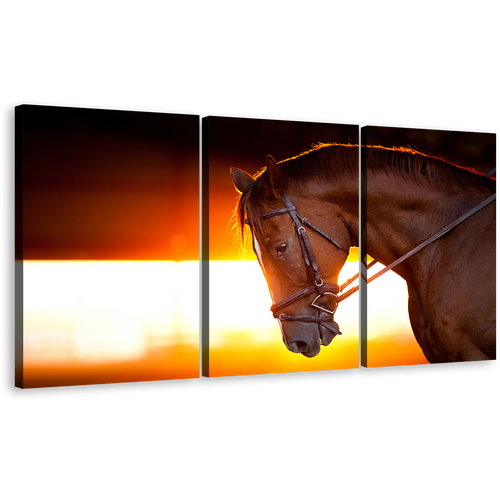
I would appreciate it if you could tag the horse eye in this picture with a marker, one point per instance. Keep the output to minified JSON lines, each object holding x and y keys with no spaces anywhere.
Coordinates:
{"x":281,"y":248}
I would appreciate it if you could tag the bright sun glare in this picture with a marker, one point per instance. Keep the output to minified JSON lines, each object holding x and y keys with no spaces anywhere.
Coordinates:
{"x":96,"y":311}
{"x":106,"y":311}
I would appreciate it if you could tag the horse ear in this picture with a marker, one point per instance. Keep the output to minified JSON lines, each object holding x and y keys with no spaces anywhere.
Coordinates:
{"x":274,"y":176}
{"x":241,"y":179}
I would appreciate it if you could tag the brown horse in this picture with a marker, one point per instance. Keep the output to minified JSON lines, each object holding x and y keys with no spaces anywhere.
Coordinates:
{"x":304,"y":215}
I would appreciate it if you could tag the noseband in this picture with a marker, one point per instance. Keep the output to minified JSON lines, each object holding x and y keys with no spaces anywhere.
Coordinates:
{"x":313,"y":273}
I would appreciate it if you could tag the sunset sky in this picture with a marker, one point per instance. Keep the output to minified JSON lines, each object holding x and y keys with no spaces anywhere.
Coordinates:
{"x":107,"y":229}
{"x":101,"y":184}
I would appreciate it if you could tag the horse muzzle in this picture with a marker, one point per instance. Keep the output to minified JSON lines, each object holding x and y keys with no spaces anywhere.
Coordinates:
{"x":306,"y":334}
{"x":301,"y":337}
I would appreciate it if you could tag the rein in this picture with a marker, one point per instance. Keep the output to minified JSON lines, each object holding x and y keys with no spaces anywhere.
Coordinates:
{"x":312,"y":268}
{"x":428,"y":241}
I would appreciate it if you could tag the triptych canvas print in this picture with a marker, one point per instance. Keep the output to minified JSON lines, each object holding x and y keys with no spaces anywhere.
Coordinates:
{"x":285,"y":246}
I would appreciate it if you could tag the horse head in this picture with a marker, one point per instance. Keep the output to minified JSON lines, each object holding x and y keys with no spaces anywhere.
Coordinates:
{"x":299,"y":262}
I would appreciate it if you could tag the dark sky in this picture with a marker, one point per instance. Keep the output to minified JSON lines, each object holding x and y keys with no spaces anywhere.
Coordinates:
{"x":245,"y":143}
{"x":466,"y":149}
{"x":101,"y":184}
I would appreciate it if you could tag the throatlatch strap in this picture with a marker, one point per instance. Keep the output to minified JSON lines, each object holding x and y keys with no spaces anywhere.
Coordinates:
{"x":329,"y":238}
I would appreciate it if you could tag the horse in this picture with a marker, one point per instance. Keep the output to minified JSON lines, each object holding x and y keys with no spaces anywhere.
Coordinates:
{"x":304,"y":216}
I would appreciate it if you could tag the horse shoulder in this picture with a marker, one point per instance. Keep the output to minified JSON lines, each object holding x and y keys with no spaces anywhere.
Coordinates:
{"x":445,"y":338}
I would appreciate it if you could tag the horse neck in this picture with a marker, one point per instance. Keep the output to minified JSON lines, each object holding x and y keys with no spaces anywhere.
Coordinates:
{"x":401,"y":214}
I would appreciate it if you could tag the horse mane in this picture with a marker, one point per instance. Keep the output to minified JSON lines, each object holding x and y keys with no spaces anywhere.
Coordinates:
{"x":333,"y":160}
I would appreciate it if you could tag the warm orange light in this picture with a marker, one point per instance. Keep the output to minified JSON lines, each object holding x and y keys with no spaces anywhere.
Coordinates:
{"x":246,"y":339}
{"x":99,"y":313}
{"x":390,"y":338}
{"x":179,"y":243}
{"x":108,"y":321}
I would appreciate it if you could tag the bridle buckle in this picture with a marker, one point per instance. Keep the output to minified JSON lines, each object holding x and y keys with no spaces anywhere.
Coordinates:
{"x":317,"y":306}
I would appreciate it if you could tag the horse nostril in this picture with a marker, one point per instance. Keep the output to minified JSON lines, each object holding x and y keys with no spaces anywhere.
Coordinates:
{"x":298,"y":347}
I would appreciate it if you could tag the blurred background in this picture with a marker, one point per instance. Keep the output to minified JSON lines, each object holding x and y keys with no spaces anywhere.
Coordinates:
{"x":109,"y":240}
{"x":107,"y":229}
{"x":114,"y":185}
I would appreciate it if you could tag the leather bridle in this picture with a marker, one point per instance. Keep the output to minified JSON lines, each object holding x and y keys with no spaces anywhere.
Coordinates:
{"x":313,"y":273}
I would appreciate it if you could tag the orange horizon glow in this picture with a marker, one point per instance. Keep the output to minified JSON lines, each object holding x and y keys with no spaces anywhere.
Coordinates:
{"x":109,"y":321}
{"x":90,"y":322}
